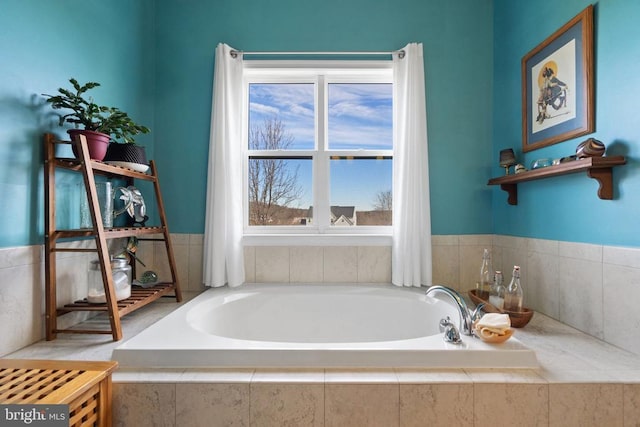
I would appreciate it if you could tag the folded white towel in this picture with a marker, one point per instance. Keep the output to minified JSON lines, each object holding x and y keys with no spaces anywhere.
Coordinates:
{"x":493,"y":324}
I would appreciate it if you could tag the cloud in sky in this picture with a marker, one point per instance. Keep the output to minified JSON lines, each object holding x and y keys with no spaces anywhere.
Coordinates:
{"x":292,"y":103}
{"x":360,"y":114}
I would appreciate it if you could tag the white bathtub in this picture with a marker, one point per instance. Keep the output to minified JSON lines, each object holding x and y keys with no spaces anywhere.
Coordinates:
{"x":265,"y":325}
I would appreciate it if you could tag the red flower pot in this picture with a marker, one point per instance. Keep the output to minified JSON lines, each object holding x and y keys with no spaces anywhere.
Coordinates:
{"x":97,"y":143}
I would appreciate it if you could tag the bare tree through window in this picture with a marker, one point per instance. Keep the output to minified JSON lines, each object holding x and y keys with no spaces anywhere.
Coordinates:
{"x":382,"y":210}
{"x":273,"y":182}
{"x":384,"y":201}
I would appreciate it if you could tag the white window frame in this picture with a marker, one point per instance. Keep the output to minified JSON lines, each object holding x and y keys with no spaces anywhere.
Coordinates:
{"x":320,"y":73}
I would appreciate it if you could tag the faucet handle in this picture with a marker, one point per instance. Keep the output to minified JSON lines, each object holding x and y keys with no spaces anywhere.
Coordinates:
{"x":477,"y":313}
{"x":451,"y":333}
{"x":444,"y":322}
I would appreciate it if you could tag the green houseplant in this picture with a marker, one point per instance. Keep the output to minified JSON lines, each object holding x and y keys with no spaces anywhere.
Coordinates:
{"x":100,"y":124}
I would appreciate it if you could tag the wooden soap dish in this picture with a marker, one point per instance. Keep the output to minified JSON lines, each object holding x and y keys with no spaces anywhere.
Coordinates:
{"x":496,"y":339}
{"x":519,"y":319}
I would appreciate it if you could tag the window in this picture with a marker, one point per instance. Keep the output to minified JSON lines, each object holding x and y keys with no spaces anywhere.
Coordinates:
{"x":319,"y":148}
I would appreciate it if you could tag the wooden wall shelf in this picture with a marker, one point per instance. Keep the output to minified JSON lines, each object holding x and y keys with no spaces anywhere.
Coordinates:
{"x":598,"y":168}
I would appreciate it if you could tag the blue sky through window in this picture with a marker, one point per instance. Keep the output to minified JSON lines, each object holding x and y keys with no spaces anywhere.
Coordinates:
{"x":360,"y":116}
{"x":291,"y":103}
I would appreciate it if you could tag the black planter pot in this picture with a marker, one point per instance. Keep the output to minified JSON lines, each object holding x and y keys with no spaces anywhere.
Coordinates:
{"x":131,"y":153}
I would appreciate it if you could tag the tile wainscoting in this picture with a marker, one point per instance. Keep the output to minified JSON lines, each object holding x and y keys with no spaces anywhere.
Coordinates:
{"x":592,"y":288}
{"x":392,"y":397}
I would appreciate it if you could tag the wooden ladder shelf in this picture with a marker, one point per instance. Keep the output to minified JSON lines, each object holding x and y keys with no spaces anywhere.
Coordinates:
{"x":139,"y":296}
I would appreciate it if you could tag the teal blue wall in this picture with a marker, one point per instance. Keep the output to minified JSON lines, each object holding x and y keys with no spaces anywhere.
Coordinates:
{"x":155,"y":60}
{"x":457,"y":37}
{"x":567,"y":208}
{"x":42,"y":44}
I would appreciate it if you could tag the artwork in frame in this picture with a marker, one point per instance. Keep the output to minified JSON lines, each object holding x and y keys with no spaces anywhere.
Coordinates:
{"x":557,"y":85}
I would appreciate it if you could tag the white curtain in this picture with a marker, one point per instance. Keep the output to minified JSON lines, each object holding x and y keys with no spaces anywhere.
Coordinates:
{"x":411,"y":250}
{"x":223,"y":251}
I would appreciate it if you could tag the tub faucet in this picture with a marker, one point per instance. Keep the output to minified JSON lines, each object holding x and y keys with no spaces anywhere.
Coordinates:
{"x":466,"y":317}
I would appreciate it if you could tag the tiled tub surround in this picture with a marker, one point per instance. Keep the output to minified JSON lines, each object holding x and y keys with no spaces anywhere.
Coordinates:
{"x":593,"y":288}
{"x":581,"y":381}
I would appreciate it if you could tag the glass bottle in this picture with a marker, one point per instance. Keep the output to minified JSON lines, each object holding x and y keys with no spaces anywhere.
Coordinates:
{"x":483,"y":287}
{"x":513,"y":294}
{"x":496,"y":297}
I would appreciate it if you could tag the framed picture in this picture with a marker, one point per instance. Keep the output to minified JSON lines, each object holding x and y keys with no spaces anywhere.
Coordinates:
{"x":557,"y":85}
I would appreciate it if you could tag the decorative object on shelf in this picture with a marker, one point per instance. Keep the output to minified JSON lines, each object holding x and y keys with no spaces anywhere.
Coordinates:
{"x":105,"y":200}
{"x":130,"y":156}
{"x":520,"y":168}
{"x":133,"y":204}
{"x":132,"y":248}
{"x":507,"y":158}
{"x":97,"y":142}
{"x":148,"y":280}
{"x":590,"y":148}
{"x":121,"y":273}
{"x":557,"y":85}
{"x":541,"y":163}
{"x":568,"y":159}
{"x":99,"y":123}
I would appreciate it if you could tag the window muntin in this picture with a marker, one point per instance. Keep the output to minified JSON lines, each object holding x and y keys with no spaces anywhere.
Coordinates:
{"x":352,"y":121}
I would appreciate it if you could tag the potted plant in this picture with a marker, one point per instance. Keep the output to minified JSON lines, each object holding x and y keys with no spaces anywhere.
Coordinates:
{"x":128,"y":154}
{"x":100,"y":124}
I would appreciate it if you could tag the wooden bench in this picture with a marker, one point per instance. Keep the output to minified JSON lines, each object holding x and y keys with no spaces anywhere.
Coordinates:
{"x":83,"y":385}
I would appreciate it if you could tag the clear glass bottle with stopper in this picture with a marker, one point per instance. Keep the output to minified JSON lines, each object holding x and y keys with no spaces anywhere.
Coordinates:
{"x":483,"y":287}
{"x":496,"y":297}
{"x":513,"y":295}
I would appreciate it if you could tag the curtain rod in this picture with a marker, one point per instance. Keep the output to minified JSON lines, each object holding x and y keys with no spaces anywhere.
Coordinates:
{"x":234,"y":53}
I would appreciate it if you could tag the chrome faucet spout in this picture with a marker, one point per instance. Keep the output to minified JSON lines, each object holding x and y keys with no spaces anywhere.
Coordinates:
{"x":466,"y":317}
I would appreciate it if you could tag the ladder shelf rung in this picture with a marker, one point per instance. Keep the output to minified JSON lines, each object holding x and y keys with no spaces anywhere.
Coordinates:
{"x":139,"y":297}
{"x":103,"y":169}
